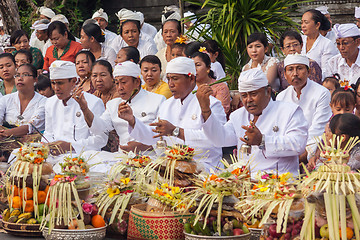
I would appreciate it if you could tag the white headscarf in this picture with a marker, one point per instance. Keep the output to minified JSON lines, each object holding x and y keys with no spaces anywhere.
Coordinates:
{"x":100,"y":13}
{"x":42,"y":24}
{"x":323,"y":9}
{"x":46,"y":12}
{"x":141,"y":16}
{"x":252,"y":80}
{"x":346,"y":30}
{"x":357,"y":12}
{"x":175,"y":15}
{"x":127,"y":68}
{"x":181,"y":65}
{"x":296,"y":59}
{"x":61,"y":18}
{"x":125,"y":14}
{"x":60,"y":69}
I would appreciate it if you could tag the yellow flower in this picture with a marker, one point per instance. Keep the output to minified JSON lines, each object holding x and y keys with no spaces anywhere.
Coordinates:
{"x":165,"y":185}
{"x":125,"y":180}
{"x":202,"y":49}
{"x":175,"y":190}
{"x":112,"y":192}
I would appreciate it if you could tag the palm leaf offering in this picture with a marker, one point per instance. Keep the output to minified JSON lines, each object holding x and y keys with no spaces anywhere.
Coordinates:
{"x":333,"y":188}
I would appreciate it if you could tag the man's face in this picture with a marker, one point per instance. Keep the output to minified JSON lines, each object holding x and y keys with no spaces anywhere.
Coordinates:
{"x":63,"y":87}
{"x":102,"y":22}
{"x":41,"y":35}
{"x":256,"y":101}
{"x":180,"y":84}
{"x":125,"y":85}
{"x":296,"y":75}
{"x":348,"y":46}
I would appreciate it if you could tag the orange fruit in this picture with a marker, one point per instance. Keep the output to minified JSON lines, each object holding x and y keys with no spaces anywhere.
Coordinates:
{"x":15,"y":190}
{"x":29,"y":206}
{"x":29,"y":193}
{"x":349,"y":233}
{"x":47,"y":189}
{"x":97,"y":221}
{"x":16,"y":202}
{"x":41,"y":197}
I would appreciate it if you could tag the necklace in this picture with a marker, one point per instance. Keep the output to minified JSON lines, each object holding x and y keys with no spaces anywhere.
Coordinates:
{"x":66,"y":49}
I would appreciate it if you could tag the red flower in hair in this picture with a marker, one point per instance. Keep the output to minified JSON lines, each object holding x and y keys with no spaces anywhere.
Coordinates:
{"x":189,"y":74}
{"x":346,"y":88}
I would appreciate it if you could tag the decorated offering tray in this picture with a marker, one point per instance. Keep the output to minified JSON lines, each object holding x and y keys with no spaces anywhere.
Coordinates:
{"x":65,"y":234}
{"x":189,"y":236}
{"x":22,"y":229}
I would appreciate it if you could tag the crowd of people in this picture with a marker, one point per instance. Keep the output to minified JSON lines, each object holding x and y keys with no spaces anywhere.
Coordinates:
{"x":116,"y":92}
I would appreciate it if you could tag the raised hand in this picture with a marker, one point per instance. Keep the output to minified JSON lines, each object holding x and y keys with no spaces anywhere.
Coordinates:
{"x":125,"y":112}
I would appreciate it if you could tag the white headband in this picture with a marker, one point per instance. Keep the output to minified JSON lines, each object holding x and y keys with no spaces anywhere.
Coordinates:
{"x":346,"y":30}
{"x":252,"y":80}
{"x":101,"y":14}
{"x":296,"y":59}
{"x":323,"y":9}
{"x":357,"y":12}
{"x":60,"y":18}
{"x":60,"y":69}
{"x":181,"y":65}
{"x":127,"y":68}
{"x":125,"y":14}
{"x":46,"y":12}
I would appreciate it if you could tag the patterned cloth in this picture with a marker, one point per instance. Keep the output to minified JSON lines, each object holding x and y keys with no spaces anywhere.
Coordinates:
{"x":2,"y":88}
{"x":38,"y":60}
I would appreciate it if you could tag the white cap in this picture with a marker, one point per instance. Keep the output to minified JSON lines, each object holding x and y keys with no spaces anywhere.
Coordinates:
{"x":61,"y":18}
{"x":101,"y":14}
{"x":125,"y":14}
{"x":296,"y":59}
{"x":323,"y":9}
{"x":1,"y":23}
{"x":346,"y":30}
{"x":127,"y":68}
{"x":174,"y":15}
{"x":42,"y":24}
{"x":46,"y":12}
{"x":60,"y":69}
{"x":252,"y":80}
{"x":181,"y":65}
{"x":357,"y":12}
{"x":190,"y":14}
{"x":141,"y":16}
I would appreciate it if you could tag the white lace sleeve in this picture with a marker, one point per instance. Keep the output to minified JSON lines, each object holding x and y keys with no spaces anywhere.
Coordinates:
{"x":270,"y":63}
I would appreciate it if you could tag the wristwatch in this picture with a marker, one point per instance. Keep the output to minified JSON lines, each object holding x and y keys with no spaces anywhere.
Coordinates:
{"x":176,"y":132}
{"x":262,"y":144}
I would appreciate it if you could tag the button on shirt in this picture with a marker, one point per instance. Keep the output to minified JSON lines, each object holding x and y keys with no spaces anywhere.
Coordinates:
{"x":338,"y":64}
{"x":285,"y":129}
{"x":67,"y":123}
{"x":186,"y":115}
{"x":145,"y":106}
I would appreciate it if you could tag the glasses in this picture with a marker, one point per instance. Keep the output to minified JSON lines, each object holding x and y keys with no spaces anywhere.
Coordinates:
{"x":295,"y":45}
{"x":23,"y":75}
{"x":344,"y":43}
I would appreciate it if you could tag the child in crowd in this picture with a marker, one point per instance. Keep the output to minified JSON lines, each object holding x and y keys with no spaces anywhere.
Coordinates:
{"x":128,"y":53}
{"x":23,"y":56}
{"x":217,"y":58}
{"x":43,"y":86}
{"x":332,"y":83}
{"x":177,"y":50}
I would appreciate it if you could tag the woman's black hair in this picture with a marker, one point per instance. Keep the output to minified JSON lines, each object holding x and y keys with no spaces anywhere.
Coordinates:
{"x":181,"y":46}
{"x":42,"y":83}
{"x":178,"y":24}
{"x":132,"y":53}
{"x":206,"y":59}
{"x":137,"y":23}
{"x":346,"y":123}
{"x":25,"y":52}
{"x":344,"y":97}
{"x":317,"y":16}
{"x":151,"y":59}
{"x":93,"y":30}
{"x":15,"y":36}
{"x":192,"y":48}
{"x":8,"y":55}
{"x":290,"y":34}
{"x":213,"y":47}
{"x":334,"y":80}
{"x":31,"y":67}
{"x":104,"y":63}
{"x":356,"y":85}
{"x":257,"y":36}
{"x":62,"y":29}
{"x":89,"y":55}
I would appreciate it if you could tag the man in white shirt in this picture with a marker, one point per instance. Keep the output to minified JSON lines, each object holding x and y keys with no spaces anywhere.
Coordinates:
{"x":65,"y":125}
{"x":313,"y":98}
{"x":45,"y":13}
{"x":330,"y":34}
{"x":41,"y":33}
{"x":146,"y":27}
{"x":103,"y":20}
{"x":347,"y":63}
{"x":276,"y":131}
{"x":144,"y":104}
{"x":180,"y":116}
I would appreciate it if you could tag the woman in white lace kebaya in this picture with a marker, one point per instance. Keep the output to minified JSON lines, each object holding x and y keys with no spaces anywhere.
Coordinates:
{"x":257,"y":46}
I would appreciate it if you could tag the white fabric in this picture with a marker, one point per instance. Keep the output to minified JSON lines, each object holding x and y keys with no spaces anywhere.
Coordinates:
{"x":108,"y":54}
{"x":357,"y":12}
{"x":141,"y":16}
{"x":34,"y":111}
{"x":321,"y":51}
{"x":186,"y":115}
{"x":61,"y":18}
{"x":174,"y":15}
{"x":346,"y":30}
{"x":161,"y":54}
{"x":100,"y":13}
{"x":181,"y":65}
{"x":127,"y":68}
{"x":125,"y":14}
{"x":189,"y":14}
{"x":60,"y":69}
{"x":46,"y":12}
{"x":251,"y":80}
{"x":1,"y":23}
{"x":145,"y":106}
{"x":109,"y":37}
{"x":323,"y":9}
{"x":331,"y":36}
{"x":218,"y":70}
{"x":149,"y":30}
{"x":315,"y":103}
{"x":338,"y":64}
{"x":35,"y":42}
{"x":296,"y":59}
{"x":146,"y":45}
{"x":39,"y":26}
{"x":282,"y":147}
{"x":46,"y":46}
{"x":67,"y":123}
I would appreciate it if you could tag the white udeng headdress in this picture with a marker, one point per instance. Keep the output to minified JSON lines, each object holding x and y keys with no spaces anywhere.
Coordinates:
{"x":252,"y":80}
{"x":100,"y":13}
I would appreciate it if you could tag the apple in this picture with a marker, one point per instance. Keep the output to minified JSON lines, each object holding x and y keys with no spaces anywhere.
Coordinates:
{"x":324,"y":231}
{"x":238,"y":231}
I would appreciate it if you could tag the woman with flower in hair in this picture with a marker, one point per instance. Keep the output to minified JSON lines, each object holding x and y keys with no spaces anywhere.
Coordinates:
{"x":91,"y":38}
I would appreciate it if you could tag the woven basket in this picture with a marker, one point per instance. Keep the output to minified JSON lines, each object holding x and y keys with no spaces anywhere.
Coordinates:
{"x":22,"y":229}
{"x":155,"y":225}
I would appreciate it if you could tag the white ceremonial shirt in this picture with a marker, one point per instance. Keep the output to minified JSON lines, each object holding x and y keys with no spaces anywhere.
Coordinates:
{"x":46,"y":46}
{"x":35,"y":42}
{"x":145,"y":106}
{"x":331,"y":35}
{"x":321,"y":51}
{"x":149,"y":29}
{"x":34,"y":111}
{"x":315,"y":103}
{"x":108,"y":54}
{"x":159,"y":40}
{"x":338,"y":64}
{"x":109,"y":37}
{"x":146,"y":45}
{"x":186,"y":115}
{"x":67,"y":123}
{"x":218,"y":70}
{"x":285,"y":129}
